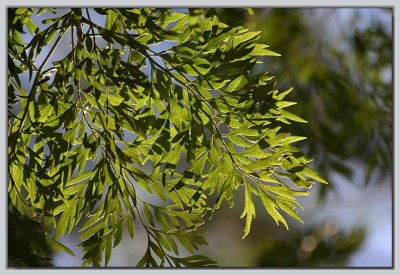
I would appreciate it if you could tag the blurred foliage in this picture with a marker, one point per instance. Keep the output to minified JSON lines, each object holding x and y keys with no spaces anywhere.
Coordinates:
{"x":343,"y":82}
{"x":320,"y":246}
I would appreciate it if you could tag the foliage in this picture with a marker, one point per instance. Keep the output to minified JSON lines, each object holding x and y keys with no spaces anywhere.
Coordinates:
{"x":153,"y":118}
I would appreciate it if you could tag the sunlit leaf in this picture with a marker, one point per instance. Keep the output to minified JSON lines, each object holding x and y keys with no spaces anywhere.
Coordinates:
{"x":80,"y":177}
{"x":249,"y":210}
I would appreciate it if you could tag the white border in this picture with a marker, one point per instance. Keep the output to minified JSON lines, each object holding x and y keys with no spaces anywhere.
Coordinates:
{"x":203,"y":3}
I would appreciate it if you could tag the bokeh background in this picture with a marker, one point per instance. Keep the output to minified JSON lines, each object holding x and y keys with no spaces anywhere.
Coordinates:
{"x":340,"y":63}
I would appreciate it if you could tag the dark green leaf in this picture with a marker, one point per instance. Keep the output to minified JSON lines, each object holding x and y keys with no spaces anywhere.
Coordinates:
{"x":58,"y":245}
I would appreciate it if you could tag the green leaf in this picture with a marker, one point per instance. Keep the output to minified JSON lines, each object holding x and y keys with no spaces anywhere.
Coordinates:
{"x":118,"y":234}
{"x":257,"y":152}
{"x":72,"y":213}
{"x":198,"y":261}
{"x":89,"y":44}
{"x":160,"y":218}
{"x":91,"y":231}
{"x":33,"y":111}
{"x":156,"y":248}
{"x":242,"y":37}
{"x":292,"y":139}
{"x":163,"y":241}
{"x":289,"y":209}
{"x":109,"y":248}
{"x":131,"y":226}
{"x":32,"y":27}
{"x":270,"y":205}
{"x":173,"y":156}
{"x":260,"y":50}
{"x":284,"y":104}
{"x":281,"y":95}
{"x":249,"y":210}
{"x":286,"y":192}
{"x":41,"y":10}
{"x":45,"y":113}
{"x":58,"y":245}
{"x":50,"y":35}
{"x":63,"y":222}
{"x":115,"y":100}
{"x":110,"y":19}
{"x":263,"y":164}
{"x":17,"y":174}
{"x":313,"y":175}
{"x":237,"y":84}
{"x":148,"y":215}
{"x":92,"y":220}
{"x":291,"y":116}
{"x":239,"y":141}
{"x":172,"y":244}
{"x":185,"y":36}
{"x":172,"y":17}
{"x":80,"y":177}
